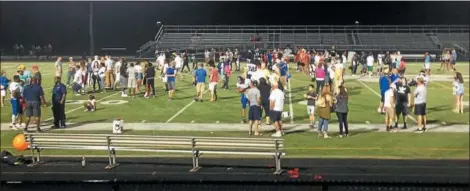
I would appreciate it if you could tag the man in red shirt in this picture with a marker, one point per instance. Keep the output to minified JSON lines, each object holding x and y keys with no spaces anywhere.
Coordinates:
{"x":214,"y":79}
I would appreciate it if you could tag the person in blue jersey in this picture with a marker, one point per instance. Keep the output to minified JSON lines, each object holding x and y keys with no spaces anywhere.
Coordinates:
{"x":384,"y":83}
{"x":171,"y":74}
{"x":395,"y":76}
{"x":283,"y":70}
{"x":427,"y":63}
{"x":200,"y":79}
{"x":453,"y":60}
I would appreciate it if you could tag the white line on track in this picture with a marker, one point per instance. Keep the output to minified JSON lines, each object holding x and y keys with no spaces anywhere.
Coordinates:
{"x":181,"y":111}
{"x":81,"y":107}
{"x":291,"y":108}
{"x":365,"y":85}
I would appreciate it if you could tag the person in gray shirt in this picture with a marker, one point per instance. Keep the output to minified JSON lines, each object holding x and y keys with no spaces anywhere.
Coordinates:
{"x":254,"y":114}
{"x":420,"y":94}
{"x":342,"y":111}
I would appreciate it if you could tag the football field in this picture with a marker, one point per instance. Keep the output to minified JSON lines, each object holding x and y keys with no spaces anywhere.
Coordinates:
{"x":363,"y":103}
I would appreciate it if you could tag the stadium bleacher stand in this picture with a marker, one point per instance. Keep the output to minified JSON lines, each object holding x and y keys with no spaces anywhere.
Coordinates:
{"x":197,"y":38}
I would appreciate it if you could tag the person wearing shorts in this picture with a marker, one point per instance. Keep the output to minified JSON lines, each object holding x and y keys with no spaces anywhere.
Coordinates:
{"x":171,"y":75}
{"x":200,"y":80}
{"x":389,"y":106}
{"x":311,"y":96}
{"x":131,"y":79}
{"x":420,"y":94}
{"x":242,"y":86}
{"x":254,"y":114}
{"x":427,"y":63}
{"x":214,"y":79}
{"x":277,"y":106}
{"x":403,"y":101}
{"x":33,"y":95}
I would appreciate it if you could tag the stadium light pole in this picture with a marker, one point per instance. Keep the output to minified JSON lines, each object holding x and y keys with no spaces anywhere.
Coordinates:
{"x":90,"y":23}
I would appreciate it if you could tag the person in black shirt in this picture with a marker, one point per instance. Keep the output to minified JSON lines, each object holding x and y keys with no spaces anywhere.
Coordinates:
{"x":265,"y":91}
{"x":150,"y":80}
{"x":311,"y":97}
{"x":403,"y":101}
{"x":185,"y":62}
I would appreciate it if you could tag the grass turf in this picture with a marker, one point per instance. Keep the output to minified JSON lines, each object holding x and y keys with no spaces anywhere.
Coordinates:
{"x":363,"y":102}
{"x":306,"y":144}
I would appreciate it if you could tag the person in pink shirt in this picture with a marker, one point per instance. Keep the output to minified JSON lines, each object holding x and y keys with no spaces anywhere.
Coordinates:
{"x":227,"y":74}
{"x":320,"y":73}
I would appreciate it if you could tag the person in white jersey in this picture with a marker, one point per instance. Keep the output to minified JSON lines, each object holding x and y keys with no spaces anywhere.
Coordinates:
{"x":370,"y":64}
{"x":251,"y":68}
{"x":164,"y":77}
{"x":178,"y":64}
{"x":117,"y":72}
{"x":276,"y":100}
{"x":380,"y":63}
{"x":16,"y":109}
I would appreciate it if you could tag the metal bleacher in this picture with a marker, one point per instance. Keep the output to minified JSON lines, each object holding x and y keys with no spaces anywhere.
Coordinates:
{"x":418,"y":38}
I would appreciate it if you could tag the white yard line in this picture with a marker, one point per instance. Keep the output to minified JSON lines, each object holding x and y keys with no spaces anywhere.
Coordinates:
{"x":184,"y":108}
{"x":81,"y":107}
{"x":291,"y":108}
{"x":365,"y":85}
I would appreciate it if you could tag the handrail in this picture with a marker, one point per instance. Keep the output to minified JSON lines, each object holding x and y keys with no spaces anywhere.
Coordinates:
{"x":317,"y":28}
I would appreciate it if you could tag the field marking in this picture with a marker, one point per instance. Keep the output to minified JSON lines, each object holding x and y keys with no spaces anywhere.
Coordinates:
{"x":184,"y":108}
{"x":291,"y":108}
{"x":77,"y":108}
{"x":409,"y":116}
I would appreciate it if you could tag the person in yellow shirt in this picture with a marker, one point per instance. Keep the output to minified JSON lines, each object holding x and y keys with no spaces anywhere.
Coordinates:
{"x":338,"y":80}
{"x":265,"y":71}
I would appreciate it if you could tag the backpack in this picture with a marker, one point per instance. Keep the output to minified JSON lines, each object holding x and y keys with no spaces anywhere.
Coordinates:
{"x":8,"y":158}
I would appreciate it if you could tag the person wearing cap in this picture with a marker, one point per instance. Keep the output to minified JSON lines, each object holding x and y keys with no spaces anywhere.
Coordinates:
{"x":59,"y":93}
{"x":389,"y":107}
{"x":33,"y":95}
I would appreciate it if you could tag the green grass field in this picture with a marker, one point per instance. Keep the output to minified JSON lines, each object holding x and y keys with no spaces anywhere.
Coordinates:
{"x":363,"y":105}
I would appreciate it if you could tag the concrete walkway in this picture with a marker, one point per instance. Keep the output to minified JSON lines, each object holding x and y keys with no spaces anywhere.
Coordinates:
{"x":243,"y":127}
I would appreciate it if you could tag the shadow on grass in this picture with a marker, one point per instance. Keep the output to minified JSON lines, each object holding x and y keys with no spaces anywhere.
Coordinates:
{"x":439,"y":108}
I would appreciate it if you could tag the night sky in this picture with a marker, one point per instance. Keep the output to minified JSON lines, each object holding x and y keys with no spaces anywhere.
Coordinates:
{"x":130,"y":24}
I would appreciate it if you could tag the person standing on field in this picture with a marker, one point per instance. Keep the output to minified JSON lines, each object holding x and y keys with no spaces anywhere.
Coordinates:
{"x":109,"y":72}
{"x":420,"y":95}
{"x":254,"y":113}
{"x":59,"y":92}
{"x":277,"y":104}
{"x":311,"y":97}
{"x":33,"y":95}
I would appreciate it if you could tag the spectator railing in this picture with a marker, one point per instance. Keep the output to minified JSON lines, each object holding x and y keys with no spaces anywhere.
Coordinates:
{"x":196,"y":146}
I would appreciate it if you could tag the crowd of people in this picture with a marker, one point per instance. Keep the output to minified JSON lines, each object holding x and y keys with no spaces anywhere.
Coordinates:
{"x":262,"y":84}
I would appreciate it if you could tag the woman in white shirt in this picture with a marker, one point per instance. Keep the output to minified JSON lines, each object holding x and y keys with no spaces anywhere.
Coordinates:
{"x":77,"y":81}
{"x":102,"y":75}
{"x":458,"y":92}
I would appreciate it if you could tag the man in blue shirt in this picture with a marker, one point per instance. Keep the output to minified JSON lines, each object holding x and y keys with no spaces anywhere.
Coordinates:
{"x":201,"y":75}
{"x":3,"y":87}
{"x":33,"y":95}
{"x":59,"y":92}
{"x":283,"y":69}
{"x":384,"y":83}
{"x":170,"y":74}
